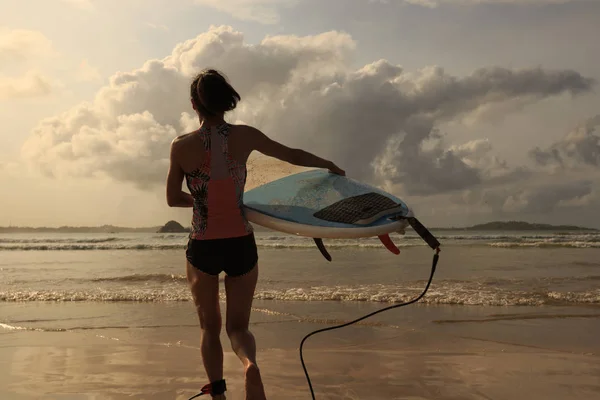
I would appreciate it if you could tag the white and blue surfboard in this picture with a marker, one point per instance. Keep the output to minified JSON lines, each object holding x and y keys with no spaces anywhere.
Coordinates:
{"x":320,"y":204}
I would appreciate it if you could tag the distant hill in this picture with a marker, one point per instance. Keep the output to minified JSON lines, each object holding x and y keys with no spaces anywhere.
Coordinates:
{"x":169,"y":227}
{"x":75,"y":229}
{"x":520,"y":226}
{"x":172,"y":227}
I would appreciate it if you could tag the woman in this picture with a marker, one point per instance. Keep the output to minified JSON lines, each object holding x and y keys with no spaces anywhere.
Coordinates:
{"x":212,"y":160}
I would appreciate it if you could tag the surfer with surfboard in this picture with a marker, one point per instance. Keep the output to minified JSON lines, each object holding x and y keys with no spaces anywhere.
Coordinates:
{"x":212,"y":160}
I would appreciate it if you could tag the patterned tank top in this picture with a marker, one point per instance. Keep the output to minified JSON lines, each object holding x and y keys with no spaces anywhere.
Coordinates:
{"x":218,"y":189}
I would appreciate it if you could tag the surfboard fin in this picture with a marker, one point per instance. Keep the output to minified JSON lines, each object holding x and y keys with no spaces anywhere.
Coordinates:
{"x":387,"y":242}
{"x":322,"y":249}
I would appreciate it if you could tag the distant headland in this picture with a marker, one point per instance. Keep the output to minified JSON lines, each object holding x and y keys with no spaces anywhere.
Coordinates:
{"x":76,"y":229}
{"x":518,"y":226}
{"x":175,"y":227}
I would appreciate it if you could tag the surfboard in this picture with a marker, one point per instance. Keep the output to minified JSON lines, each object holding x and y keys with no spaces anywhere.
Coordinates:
{"x":320,"y":204}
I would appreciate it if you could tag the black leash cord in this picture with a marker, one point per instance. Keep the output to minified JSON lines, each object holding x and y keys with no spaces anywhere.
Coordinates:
{"x":433,"y":266}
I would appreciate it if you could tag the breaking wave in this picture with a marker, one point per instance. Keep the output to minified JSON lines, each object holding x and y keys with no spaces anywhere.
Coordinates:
{"x":448,"y":292}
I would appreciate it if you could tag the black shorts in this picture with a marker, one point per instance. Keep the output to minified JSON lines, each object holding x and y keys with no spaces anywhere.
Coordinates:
{"x":235,"y":256}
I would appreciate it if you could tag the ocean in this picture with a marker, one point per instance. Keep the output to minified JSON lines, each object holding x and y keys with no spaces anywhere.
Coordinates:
{"x":478,"y":268}
{"x":533,"y":290}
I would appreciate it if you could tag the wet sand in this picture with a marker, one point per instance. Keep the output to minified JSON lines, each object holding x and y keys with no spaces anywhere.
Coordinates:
{"x":363,"y":362}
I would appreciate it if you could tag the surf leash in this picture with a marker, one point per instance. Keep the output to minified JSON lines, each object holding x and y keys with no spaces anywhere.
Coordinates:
{"x":212,"y":389}
{"x":433,"y":243}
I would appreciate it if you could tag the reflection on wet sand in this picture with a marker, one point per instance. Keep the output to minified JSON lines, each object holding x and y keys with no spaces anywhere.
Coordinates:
{"x":361,"y":363}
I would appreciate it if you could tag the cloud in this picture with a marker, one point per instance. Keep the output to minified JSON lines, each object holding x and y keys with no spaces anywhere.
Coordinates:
{"x":263,"y":11}
{"x":87,"y":72}
{"x":564,"y":198}
{"x":161,"y":27}
{"x":378,"y":122}
{"x":132,"y":148}
{"x":580,"y":147}
{"x":562,"y":185}
{"x":543,"y":199}
{"x":21,"y":44}
{"x":32,"y":84}
{"x":433,"y":97}
{"x":436,"y":3}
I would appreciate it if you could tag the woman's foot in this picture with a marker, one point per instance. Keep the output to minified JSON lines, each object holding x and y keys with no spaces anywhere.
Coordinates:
{"x":254,"y":385}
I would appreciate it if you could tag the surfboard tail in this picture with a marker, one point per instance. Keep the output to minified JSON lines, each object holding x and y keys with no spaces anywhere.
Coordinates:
{"x":418,"y":227}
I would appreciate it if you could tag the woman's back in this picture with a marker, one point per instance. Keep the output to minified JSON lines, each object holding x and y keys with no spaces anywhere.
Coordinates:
{"x":214,"y":162}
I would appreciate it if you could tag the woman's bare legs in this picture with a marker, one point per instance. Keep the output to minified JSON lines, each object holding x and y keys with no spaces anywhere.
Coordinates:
{"x":205,"y":291}
{"x":240,"y":292}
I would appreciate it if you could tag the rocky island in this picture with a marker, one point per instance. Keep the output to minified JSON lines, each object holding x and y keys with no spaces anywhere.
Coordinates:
{"x":172,"y":227}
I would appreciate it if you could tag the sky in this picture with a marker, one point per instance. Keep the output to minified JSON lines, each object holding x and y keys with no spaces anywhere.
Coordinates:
{"x":469,"y":110}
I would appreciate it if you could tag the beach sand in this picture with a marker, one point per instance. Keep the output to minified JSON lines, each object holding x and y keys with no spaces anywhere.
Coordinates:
{"x":489,"y":358}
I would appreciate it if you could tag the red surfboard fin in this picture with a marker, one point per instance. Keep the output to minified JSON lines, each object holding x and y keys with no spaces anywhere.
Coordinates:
{"x":387,"y":242}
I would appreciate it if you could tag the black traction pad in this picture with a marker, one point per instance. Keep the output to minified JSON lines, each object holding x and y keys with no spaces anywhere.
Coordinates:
{"x":361,"y":209}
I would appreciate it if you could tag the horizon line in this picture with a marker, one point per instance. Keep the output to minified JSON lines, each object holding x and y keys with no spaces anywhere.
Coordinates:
{"x":162,"y":225}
